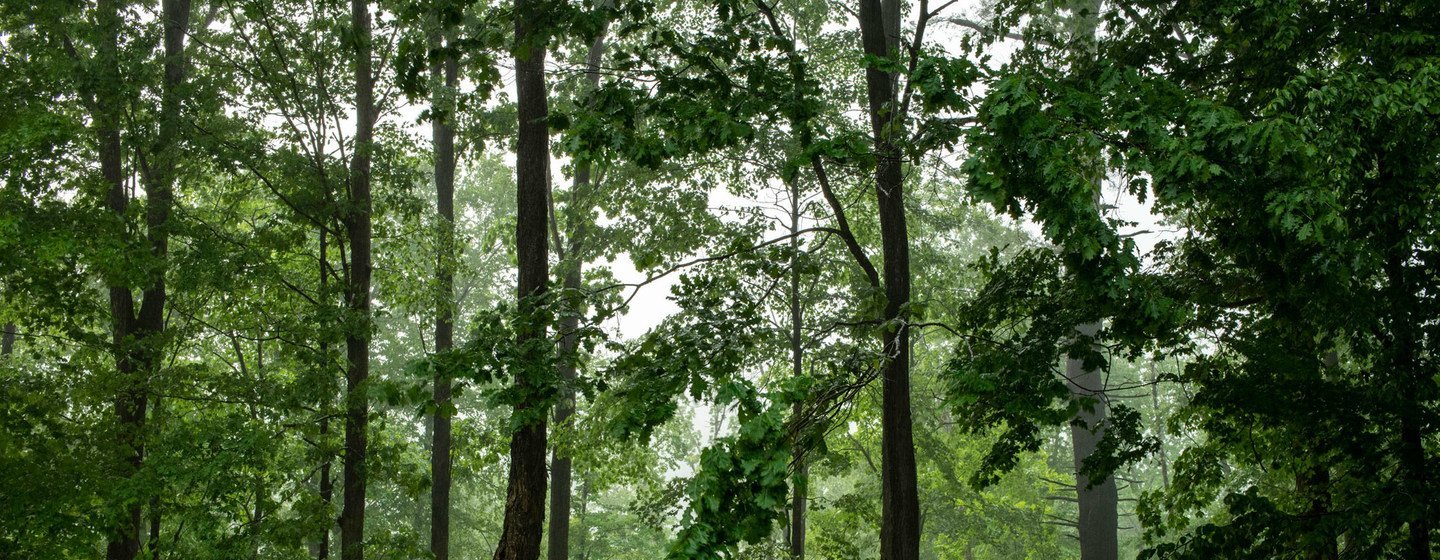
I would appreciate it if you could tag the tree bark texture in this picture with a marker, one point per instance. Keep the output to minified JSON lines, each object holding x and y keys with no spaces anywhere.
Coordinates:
{"x":799,"y":500}
{"x":525,"y":494}
{"x":446,"y":73}
{"x":561,"y":468}
{"x":357,"y":295}
{"x":900,"y":505}
{"x":1099,"y":521}
{"x":137,"y":335}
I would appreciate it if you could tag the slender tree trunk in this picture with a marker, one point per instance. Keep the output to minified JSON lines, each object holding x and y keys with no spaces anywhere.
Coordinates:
{"x":327,"y":493}
{"x":574,"y":256}
{"x":1099,"y":518}
{"x":327,"y":487}
{"x":357,"y":293}
{"x":154,"y":542}
{"x":124,"y":541}
{"x":7,"y":339}
{"x":900,"y":504}
{"x":799,"y":501}
{"x":525,"y":495}
{"x":446,"y":73}
{"x":1160,"y":431}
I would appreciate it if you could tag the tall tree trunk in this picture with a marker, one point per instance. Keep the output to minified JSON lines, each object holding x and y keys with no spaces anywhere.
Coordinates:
{"x":124,"y":540}
{"x":136,"y":336}
{"x":798,"y":501}
{"x":445,"y":72}
{"x":1099,"y":518}
{"x":327,"y":487}
{"x":899,"y":498}
{"x":1099,"y":521}
{"x":357,"y":294}
{"x":525,"y":495}
{"x":561,"y":468}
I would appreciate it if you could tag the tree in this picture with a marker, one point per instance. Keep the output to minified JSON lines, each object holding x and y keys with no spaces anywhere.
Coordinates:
{"x":525,"y":497}
{"x":357,"y":293}
{"x":573,"y":255}
{"x":445,"y":72}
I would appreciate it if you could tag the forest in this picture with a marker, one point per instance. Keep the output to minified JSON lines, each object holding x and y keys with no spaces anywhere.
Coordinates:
{"x":719,"y":279}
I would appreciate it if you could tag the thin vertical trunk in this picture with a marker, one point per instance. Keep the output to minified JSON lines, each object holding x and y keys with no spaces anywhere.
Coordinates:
{"x":154,"y":542}
{"x":1160,"y":431}
{"x":900,"y":504}
{"x":525,"y":494}
{"x":327,"y":494}
{"x":357,"y":294}
{"x":1313,"y":485}
{"x":560,"y":465}
{"x":798,"y":502}
{"x":7,"y":339}
{"x":445,"y":72}
{"x":327,"y":488}
{"x":1099,"y":521}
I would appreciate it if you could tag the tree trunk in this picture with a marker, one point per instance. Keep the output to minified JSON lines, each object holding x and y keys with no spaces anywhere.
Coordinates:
{"x":798,"y":502}
{"x":1099,"y":518}
{"x":7,"y":339}
{"x":327,"y":488}
{"x":445,"y":72}
{"x":900,"y":504}
{"x":1160,"y":431}
{"x":357,"y":294}
{"x":525,"y":494}
{"x":135,"y":335}
{"x":560,"y":466}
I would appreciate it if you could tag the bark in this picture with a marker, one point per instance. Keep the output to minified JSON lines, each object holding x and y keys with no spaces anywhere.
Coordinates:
{"x":799,"y":501}
{"x":154,"y":540}
{"x":525,"y":493}
{"x":1160,"y":432}
{"x":561,"y":468}
{"x":357,"y":294}
{"x":440,"y":460}
{"x":137,"y":335}
{"x":327,"y":488}
{"x":900,"y":505}
{"x":7,"y":339}
{"x":1099,"y":502}
{"x":327,"y":493}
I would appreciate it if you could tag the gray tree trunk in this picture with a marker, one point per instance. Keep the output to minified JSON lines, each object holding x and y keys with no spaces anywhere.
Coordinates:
{"x":1099,"y":521}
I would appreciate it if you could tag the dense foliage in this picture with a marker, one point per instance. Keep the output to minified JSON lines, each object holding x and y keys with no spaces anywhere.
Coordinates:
{"x":716,"y":279}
